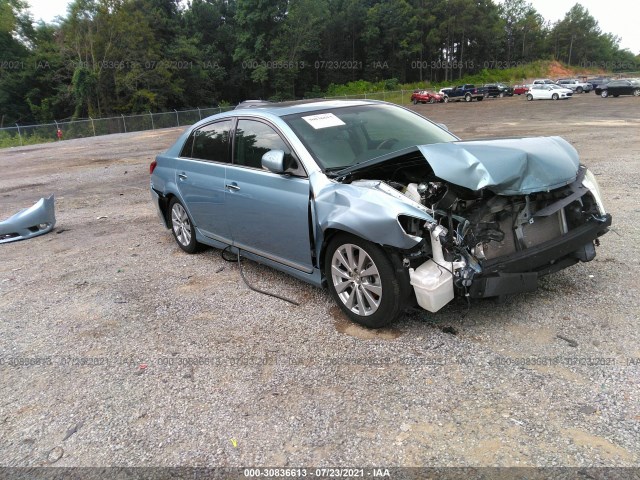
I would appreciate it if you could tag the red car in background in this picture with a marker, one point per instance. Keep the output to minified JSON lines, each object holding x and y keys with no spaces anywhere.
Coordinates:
{"x":425,"y":96}
{"x":520,"y":89}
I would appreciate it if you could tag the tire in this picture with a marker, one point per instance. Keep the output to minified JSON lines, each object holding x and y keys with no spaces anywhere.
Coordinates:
{"x":604,"y":93}
{"x":467,"y":98}
{"x":480,"y":99}
{"x":414,"y":101}
{"x":182,"y":227}
{"x":555,"y":96}
{"x":636,"y":92}
{"x":579,"y":90}
{"x":432,"y":100}
{"x":446,"y":99}
{"x":374,"y":300}
{"x":502,"y":94}
{"x":529,"y":97}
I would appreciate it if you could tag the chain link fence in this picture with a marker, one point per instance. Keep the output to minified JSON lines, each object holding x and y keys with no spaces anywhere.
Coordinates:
{"x":92,"y":127}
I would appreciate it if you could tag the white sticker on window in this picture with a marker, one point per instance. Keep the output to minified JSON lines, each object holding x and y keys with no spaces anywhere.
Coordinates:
{"x":323,"y":120}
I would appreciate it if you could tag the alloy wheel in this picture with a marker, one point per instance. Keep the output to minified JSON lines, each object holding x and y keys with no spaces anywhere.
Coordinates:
{"x":181,"y":224}
{"x":356,"y":279}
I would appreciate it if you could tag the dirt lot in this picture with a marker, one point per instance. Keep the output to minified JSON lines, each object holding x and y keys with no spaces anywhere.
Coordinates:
{"x":118,"y":349}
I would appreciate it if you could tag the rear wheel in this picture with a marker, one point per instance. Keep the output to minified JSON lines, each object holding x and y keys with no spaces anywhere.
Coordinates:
{"x":432,"y":100}
{"x":414,"y":101}
{"x":182,"y":227}
{"x":636,"y":92}
{"x":579,"y":90}
{"x":363,"y":282}
{"x":529,"y":97}
{"x":502,"y":94}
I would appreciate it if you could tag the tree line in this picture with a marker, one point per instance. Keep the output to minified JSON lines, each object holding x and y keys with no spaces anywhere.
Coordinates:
{"x":105,"y":57}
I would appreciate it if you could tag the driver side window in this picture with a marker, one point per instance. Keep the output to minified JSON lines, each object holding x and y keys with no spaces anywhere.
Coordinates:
{"x":253,"y":139}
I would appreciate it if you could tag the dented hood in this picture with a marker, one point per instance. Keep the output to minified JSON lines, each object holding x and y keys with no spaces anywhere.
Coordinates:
{"x":513,"y":166}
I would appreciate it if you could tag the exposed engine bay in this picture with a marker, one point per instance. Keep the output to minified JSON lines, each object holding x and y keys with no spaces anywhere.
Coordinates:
{"x":485,"y":244}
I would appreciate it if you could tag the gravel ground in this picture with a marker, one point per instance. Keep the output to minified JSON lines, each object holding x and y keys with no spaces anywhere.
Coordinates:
{"x":118,"y":349}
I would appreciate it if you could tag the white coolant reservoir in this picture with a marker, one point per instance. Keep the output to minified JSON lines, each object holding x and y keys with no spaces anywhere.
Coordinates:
{"x":412,"y":192}
{"x":433,"y":283}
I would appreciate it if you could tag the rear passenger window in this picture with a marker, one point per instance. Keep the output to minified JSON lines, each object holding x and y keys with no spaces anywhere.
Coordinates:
{"x":210,"y":142}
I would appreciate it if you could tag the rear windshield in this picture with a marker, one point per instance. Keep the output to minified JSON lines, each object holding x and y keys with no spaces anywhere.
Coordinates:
{"x":341,"y":137}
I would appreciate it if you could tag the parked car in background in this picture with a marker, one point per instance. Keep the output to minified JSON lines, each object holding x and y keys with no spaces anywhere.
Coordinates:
{"x":615,"y":88}
{"x":497,"y":90}
{"x":548,"y":92}
{"x":467,"y":92}
{"x":379,"y":204}
{"x":576,"y":85}
{"x":598,"y":81}
{"x":542,"y":81}
{"x":426,"y":96}
{"x":520,"y":89}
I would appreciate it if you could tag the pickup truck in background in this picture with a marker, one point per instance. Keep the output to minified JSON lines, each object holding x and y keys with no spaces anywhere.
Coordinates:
{"x":467,"y":92}
{"x":576,"y":85}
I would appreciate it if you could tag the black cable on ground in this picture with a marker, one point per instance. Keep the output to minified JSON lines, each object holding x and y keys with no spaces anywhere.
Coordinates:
{"x":275,"y":295}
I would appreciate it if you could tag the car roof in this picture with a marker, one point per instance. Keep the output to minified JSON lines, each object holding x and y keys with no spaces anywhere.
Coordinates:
{"x":282,"y":109}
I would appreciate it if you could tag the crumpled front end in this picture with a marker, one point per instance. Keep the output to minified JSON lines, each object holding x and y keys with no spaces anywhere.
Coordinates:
{"x":503,"y":214}
{"x":29,"y":222}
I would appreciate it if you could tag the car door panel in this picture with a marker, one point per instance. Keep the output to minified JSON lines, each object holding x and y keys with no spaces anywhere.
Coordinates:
{"x":270,"y":215}
{"x":201,"y":185}
{"x":269,"y":211}
{"x":201,"y":179}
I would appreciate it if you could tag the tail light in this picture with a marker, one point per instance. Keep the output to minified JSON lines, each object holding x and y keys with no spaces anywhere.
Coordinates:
{"x":152,"y":167}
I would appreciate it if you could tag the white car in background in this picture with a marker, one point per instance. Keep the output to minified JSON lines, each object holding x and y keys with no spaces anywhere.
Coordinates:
{"x":548,"y":92}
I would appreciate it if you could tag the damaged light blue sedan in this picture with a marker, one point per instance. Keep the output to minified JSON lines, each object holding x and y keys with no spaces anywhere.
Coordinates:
{"x":379,"y":204}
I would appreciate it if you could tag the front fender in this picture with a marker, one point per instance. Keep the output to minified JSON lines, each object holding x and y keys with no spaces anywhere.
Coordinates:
{"x":367,"y":209}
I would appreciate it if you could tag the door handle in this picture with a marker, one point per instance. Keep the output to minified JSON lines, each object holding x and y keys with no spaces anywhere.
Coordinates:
{"x":232,"y":186}
{"x":182,"y":176}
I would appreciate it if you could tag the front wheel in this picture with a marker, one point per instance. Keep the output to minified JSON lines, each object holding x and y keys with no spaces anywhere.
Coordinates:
{"x":182,"y":227}
{"x":604,"y":93}
{"x":502,"y":94}
{"x":432,"y":100}
{"x":636,"y":92}
{"x":529,"y":97}
{"x":414,"y":101}
{"x":446,"y":99}
{"x":467,"y":98}
{"x":363,"y":282}
{"x":555,"y":96}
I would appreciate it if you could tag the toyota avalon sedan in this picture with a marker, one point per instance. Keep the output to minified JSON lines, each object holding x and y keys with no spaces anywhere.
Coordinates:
{"x":379,"y":204}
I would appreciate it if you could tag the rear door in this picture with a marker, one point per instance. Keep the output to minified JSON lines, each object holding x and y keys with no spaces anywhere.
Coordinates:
{"x":268,"y":212}
{"x":200,"y":176}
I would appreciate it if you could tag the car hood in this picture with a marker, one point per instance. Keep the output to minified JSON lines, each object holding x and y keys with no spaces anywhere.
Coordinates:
{"x":513,"y":166}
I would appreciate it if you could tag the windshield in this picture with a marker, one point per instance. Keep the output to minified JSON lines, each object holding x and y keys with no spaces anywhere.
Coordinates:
{"x":341,"y":137}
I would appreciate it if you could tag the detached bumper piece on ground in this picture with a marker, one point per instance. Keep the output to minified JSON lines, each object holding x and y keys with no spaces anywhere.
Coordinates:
{"x":29,"y":222}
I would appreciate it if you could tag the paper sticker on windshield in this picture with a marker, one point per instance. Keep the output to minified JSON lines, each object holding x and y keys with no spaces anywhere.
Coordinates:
{"x":323,"y":120}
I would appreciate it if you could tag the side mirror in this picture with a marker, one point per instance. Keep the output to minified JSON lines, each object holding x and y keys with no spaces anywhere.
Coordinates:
{"x":273,"y":161}
{"x":443,"y":126}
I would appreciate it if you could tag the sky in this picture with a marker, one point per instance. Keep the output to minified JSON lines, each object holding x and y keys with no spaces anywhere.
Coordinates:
{"x":613,"y":16}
